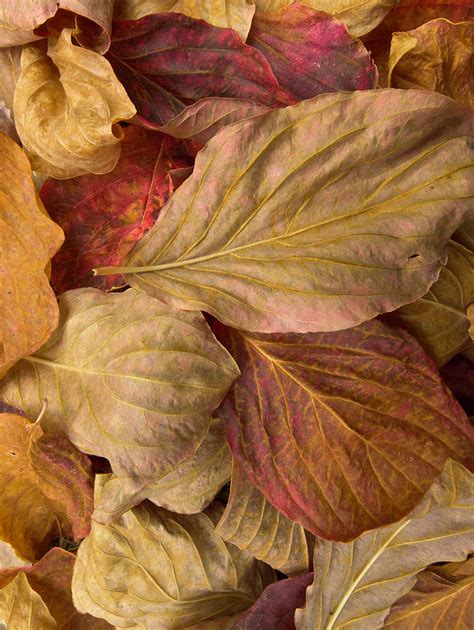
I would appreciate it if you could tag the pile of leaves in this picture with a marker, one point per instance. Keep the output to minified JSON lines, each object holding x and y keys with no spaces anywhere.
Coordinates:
{"x":236,"y":339}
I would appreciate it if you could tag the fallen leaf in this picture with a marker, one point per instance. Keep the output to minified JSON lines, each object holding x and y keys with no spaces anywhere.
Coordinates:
{"x":359,"y":17}
{"x":275,"y":608}
{"x":45,"y":485}
{"x":251,"y":523}
{"x":20,"y":18}
{"x":22,"y":608}
{"x":10,"y":69}
{"x":8,"y":557}
{"x":29,"y":240}
{"x":236,"y":14}
{"x":67,"y":104}
{"x":353,"y":225}
{"x":127,"y":378}
{"x":437,"y":56}
{"x":159,"y":57}
{"x":356,"y":583}
{"x":159,"y":570}
{"x":104,"y":215}
{"x":7,"y":126}
{"x":357,"y":423}
{"x":311,"y":52}
{"x":187,"y":489}
{"x":455,"y":571}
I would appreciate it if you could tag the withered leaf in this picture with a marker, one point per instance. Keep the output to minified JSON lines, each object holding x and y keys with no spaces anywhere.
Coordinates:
{"x":155,"y":569}
{"x":103,"y":216}
{"x":22,"y":608}
{"x":187,"y":489}
{"x":29,"y":240}
{"x":252,"y":523}
{"x":356,"y":583}
{"x":67,"y":103}
{"x":10,"y":69}
{"x":354,"y":224}
{"x":127,"y":378}
{"x":357,"y":423}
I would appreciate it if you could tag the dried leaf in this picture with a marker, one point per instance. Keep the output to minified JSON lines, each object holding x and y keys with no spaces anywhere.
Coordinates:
{"x":168,"y":60}
{"x":356,"y":583}
{"x":311,"y":52}
{"x":187,"y":489}
{"x":22,"y":608}
{"x":29,"y":240}
{"x":127,"y":378}
{"x":10,"y":69}
{"x":103,"y":216}
{"x":155,"y":569}
{"x":354,"y":224}
{"x":251,"y":523}
{"x":7,"y":126}
{"x":8,"y":557}
{"x":357,"y":424}
{"x":67,"y":104}
{"x":236,"y":14}
{"x":437,"y":56}
{"x":359,"y":17}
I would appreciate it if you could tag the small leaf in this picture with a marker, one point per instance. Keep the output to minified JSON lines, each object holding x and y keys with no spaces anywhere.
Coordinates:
{"x":22,"y":608}
{"x":127,"y":378}
{"x":251,"y":523}
{"x":187,"y":489}
{"x":357,"y":423}
{"x":29,"y":240}
{"x":311,"y":52}
{"x":67,"y":104}
{"x":356,"y":583}
{"x":8,"y":557}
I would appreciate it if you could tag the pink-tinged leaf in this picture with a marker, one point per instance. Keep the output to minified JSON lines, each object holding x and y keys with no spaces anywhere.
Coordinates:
{"x":275,"y":608}
{"x":167,"y":61}
{"x":343,"y":431}
{"x":311,"y":52}
{"x":103,"y":216}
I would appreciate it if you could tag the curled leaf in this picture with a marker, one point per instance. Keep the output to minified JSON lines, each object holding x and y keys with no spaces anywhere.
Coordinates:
{"x":22,"y":608}
{"x":67,"y":104}
{"x":127,"y":378}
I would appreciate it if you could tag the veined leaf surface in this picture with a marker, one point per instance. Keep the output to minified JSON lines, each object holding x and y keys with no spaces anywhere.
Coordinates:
{"x":22,"y":608}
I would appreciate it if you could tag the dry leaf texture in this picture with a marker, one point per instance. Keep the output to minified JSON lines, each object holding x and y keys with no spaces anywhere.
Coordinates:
{"x":22,"y":608}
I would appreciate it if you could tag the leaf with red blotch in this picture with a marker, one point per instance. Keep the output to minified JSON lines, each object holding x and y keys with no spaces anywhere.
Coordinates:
{"x":51,"y":578}
{"x":357,"y":423}
{"x":275,"y":608}
{"x":311,"y":52}
{"x":103,"y":216}
{"x":167,"y":61}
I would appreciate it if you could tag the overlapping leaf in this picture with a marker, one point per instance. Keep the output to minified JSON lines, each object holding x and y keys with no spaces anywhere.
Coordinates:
{"x":356,"y":583}
{"x":162,"y":570}
{"x":168,"y":60}
{"x":127,"y":378}
{"x":29,"y":240}
{"x":252,"y":523}
{"x":67,"y":104}
{"x":10,"y":69}
{"x":354,"y":224}
{"x":311,"y":52}
{"x":104,"y":216}
{"x":356,"y":423}
{"x":22,"y":608}
{"x":187,"y":489}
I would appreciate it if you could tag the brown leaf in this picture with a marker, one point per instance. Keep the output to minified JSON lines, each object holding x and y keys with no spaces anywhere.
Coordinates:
{"x":22,"y":608}
{"x":29,"y":240}
{"x":67,"y":104}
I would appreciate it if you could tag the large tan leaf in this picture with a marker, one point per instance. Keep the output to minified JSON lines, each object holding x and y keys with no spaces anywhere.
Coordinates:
{"x":127,"y":378}
{"x":353,"y":224}
{"x":9,"y":72}
{"x":236,"y":14}
{"x":187,"y":489}
{"x":437,"y":56}
{"x":252,"y":523}
{"x":360,"y":16}
{"x":356,"y":583}
{"x":29,"y":240}
{"x":22,"y":608}
{"x":155,"y":569}
{"x":67,"y":103}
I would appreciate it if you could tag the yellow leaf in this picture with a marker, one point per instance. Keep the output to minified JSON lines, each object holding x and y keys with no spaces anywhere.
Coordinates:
{"x":22,"y":608}
{"x":9,"y":72}
{"x":66,"y":107}
{"x":437,"y":56}
{"x":29,"y":239}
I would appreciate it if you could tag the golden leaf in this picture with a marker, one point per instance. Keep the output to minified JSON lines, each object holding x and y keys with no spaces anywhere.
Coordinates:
{"x":22,"y":608}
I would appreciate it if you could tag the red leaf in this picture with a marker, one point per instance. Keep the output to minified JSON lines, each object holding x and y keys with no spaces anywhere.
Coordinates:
{"x":341,"y":431}
{"x":103,"y":216}
{"x":168,"y":60}
{"x":311,"y":52}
